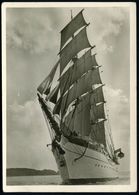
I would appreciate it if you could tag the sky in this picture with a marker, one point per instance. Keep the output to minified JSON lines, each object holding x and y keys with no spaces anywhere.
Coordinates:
{"x":32,"y":46}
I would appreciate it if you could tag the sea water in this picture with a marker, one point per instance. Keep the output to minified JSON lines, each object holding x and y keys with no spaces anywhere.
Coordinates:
{"x":123,"y":179}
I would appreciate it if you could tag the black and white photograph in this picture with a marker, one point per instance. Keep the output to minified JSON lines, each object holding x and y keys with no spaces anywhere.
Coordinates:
{"x":69,"y":97}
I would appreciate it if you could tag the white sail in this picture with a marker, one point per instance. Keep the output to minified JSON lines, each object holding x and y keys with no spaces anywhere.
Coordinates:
{"x":78,"y":43}
{"x":81,"y":66}
{"x":78,"y":120}
{"x":75,"y":24}
{"x":94,"y":96}
{"x":53,"y":95}
{"x":44,"y":87}
{"x":80,"y":87}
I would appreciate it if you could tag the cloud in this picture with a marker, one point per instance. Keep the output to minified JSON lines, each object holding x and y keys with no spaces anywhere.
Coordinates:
{"x":27,"y":136}
{"x":31,"y":31}
{"x":118,"y":111}
{"x":108,"y":24}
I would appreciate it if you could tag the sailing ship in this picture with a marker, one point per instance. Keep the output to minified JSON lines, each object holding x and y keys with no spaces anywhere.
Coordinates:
{"x":75,"y":111}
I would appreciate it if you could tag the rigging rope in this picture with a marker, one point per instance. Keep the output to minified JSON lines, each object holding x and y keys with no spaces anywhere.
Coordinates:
{"x":111,"y":144}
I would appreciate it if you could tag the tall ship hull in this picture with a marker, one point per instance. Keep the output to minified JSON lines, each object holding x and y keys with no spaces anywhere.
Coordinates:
{"x":92,"y":167}
{"x":75,"y":111}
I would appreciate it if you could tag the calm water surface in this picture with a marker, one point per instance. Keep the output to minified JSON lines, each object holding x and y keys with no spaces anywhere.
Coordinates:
{"x":56,"y":180}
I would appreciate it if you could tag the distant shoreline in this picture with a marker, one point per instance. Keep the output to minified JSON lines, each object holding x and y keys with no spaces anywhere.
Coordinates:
{"x":11,"y":172}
